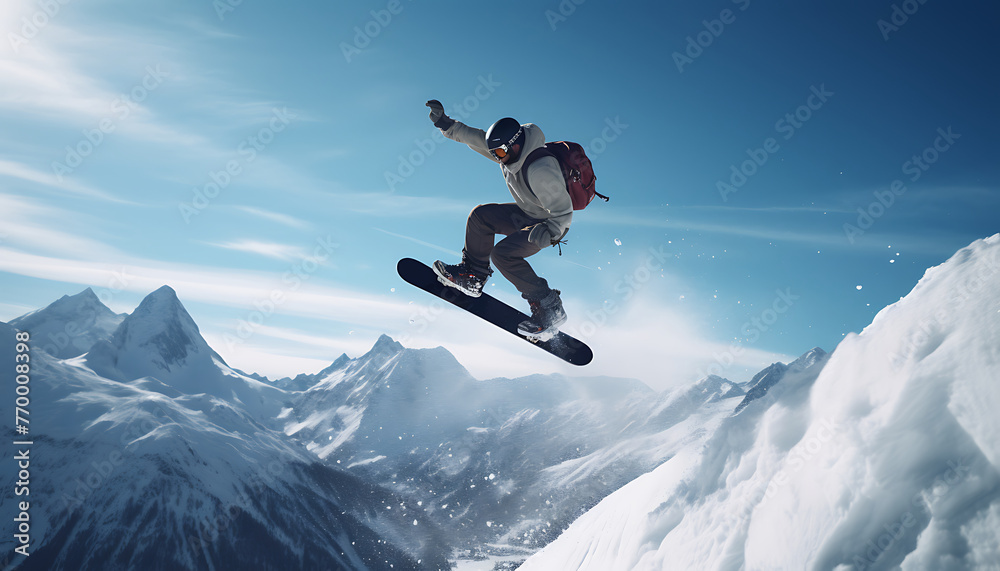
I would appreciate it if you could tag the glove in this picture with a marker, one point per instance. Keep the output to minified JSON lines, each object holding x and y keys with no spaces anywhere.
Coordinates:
{"x":540,"y":235}
{"x":441,"y":121}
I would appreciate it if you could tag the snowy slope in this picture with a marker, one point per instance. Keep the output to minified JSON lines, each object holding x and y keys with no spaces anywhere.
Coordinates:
{"x":887,"y":459}
{"x":70,"y":326}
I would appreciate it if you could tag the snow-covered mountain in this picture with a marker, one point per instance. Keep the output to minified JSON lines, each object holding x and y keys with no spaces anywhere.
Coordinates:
{"x":165,"y":463}
{"x":70,"y":326}
{"x":888,"y":458}
{"x":160,"y":346}
{"x":472,"y":451}
{"x":764,"y":380}
{"x":500,"y":462}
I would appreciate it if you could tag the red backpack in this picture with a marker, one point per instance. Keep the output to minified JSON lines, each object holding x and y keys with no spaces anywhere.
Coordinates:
{"x":576,"y":168}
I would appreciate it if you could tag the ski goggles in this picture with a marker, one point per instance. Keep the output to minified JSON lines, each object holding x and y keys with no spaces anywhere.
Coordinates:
{"x":502,"y":151}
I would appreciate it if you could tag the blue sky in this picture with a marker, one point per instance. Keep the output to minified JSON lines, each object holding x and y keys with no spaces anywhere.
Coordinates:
{"x":272,"y":162}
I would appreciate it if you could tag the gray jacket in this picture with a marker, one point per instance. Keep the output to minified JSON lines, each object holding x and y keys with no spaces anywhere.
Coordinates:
{"x":547,"y":198}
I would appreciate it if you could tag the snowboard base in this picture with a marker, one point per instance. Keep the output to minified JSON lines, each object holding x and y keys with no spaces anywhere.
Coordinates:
{"x":491,"y":309}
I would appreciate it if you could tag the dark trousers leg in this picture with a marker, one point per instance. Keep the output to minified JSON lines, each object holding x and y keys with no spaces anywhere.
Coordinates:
{"x":488,"y":220}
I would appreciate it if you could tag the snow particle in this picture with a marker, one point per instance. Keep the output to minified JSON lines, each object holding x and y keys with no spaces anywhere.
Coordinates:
{"x":859,"y":288}
{"x":618,"y":242}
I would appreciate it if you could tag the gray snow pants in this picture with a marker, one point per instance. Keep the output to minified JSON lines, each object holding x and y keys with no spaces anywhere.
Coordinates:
{"x":508,"y":255}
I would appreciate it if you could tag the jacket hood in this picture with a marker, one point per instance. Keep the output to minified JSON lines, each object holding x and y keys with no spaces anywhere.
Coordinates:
{"x":533,"y":139}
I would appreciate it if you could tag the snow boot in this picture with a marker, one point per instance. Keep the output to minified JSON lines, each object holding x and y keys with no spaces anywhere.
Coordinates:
{"x":547,"y":315}
{"x":462,"y":277}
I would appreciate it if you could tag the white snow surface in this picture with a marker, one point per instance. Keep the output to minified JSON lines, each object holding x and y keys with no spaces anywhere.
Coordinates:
{"x":887,"y":460}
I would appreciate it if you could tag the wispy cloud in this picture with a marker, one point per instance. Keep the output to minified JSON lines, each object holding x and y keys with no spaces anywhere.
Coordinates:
{"x":267,"y":249}
{"x":284,"y":219}
{"x":421,"y":242}
{"x":269,"y":172}
{"x":764,"y":209}
{"x":35,"y":227}
{"x":304,"y":296}
{"x":828,"y":235}
{"x":61,"y":77}
{"x":761,"y":232}
{"x":23,"y":172}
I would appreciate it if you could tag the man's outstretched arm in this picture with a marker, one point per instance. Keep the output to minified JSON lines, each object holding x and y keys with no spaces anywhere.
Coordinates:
{"x":458,"y":131}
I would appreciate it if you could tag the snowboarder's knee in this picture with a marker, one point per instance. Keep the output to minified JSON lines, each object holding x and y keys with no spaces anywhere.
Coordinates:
{"x":498,"y":257}
{"x":481,"y":211}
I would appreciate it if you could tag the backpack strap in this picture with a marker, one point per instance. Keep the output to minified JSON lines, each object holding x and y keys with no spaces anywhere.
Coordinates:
{"x":532,"y":157}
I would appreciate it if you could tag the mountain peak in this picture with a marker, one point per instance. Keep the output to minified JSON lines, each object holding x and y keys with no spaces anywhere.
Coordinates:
{"x":162,"y":320}
{"x":808,"y":359}
{"x":385,"y":347}
{"x":158,"y":337}
{"x":69,"y":326}
{"x":165,"y":295}
{"x":86,"y":295}
{"x":70,"y":303}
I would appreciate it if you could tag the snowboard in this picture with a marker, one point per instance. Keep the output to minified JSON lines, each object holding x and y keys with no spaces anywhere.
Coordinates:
{"x":491,"y":309}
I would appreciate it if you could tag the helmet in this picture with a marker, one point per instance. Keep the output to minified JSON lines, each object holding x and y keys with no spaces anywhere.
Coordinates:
{"x":502,"y":136}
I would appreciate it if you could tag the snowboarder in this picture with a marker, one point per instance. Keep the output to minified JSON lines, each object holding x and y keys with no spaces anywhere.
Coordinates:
{"x":539,"y":217}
